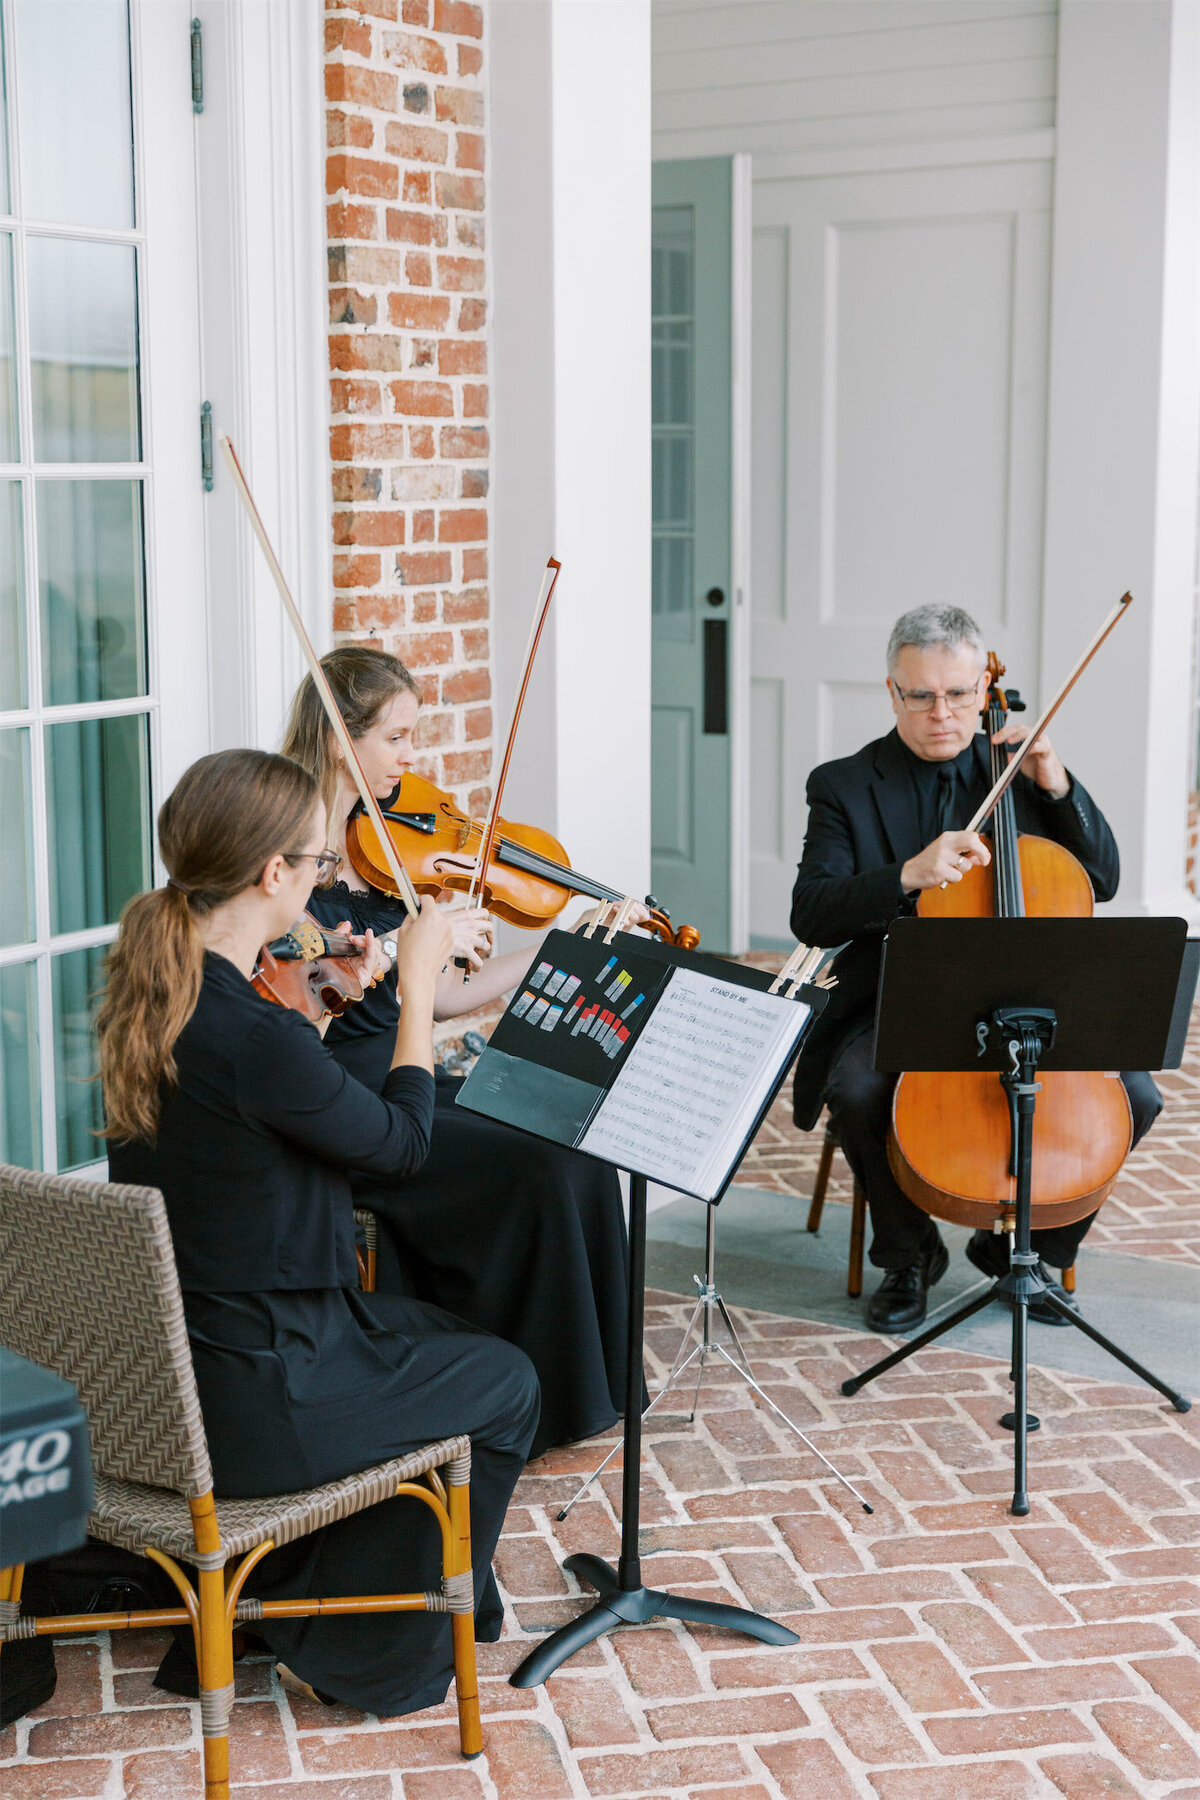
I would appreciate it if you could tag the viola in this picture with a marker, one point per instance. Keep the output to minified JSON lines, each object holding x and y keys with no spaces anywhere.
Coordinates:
{"x":310,"y":970}
{"x":950,"y":1146}
{"x":529,"y":879}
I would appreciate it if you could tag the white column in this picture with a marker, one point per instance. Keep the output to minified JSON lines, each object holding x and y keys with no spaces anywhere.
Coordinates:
{"x":1124,"y":420}
{"x":570,"y":219}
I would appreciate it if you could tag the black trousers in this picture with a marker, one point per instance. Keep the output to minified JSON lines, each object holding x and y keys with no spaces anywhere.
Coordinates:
{"x":859,"y":1099}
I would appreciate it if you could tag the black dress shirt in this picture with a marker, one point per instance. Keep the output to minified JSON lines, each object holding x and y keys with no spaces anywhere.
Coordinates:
{"x":257,"y":1141}
{"x":865,"y":820}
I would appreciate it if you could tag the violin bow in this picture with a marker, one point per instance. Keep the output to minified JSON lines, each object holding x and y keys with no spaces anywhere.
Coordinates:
{"x":540,"y":613}
{"x":404,"y":887}
{"x":1009,"y":774}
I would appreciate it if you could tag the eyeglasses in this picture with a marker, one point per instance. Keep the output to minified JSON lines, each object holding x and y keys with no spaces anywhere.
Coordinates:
{"x":328,"y":861}
{"x":920,"y":700}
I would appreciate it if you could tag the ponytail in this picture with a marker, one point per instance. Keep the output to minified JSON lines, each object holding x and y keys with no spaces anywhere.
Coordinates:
{"x":154,"y":973}
{"x":227,"y":816}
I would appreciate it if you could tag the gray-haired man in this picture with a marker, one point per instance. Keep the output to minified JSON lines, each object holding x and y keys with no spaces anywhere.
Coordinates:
{"x":882,"y":825}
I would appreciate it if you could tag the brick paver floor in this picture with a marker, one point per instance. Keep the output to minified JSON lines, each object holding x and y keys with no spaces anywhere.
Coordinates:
{"x":947,"y":1650}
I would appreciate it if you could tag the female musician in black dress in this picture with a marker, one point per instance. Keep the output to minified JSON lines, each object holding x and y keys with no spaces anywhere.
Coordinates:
{"x":236,"y":1111}
{"x":521,"y":1237}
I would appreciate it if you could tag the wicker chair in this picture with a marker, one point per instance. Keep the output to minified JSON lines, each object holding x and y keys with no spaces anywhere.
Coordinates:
{"x":102,"y":1308}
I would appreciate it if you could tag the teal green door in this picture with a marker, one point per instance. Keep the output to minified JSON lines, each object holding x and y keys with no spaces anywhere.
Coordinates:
{"x":692,"y":507}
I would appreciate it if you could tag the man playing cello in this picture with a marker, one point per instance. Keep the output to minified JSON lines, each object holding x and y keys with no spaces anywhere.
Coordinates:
{"x":882,"y":825}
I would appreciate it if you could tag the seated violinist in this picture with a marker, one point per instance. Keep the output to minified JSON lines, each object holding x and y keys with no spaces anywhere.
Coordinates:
{"x":234,"y":1109}
{"x":518,"y":1236}
{"x":882,"y":825}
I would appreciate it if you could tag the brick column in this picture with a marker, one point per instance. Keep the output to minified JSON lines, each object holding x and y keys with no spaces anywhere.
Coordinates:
{"x":408,"y":354}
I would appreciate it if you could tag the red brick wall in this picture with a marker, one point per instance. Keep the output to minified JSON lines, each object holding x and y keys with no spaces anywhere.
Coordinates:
{"x":408,"y":358}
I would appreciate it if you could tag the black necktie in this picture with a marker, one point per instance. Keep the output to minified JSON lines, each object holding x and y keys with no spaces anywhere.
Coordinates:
{"x":946,"y":795}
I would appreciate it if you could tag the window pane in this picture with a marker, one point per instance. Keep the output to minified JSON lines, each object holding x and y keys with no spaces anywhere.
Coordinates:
{"x":72,"y":67}
{"x":83,"y":346}
{"x":76,"y":983}
{"x":13,"y":686}
{"x":90,"y":580}
{"x":20,"y":1105}
{"x":8,"y":366}
{"x":98,"y":791}
{"x":16,"y":810}
{"x":5,"y":202}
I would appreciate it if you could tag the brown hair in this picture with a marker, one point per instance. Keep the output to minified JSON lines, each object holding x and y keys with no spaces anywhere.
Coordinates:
{"x":228,"y":815}
{"x":363,"y":680}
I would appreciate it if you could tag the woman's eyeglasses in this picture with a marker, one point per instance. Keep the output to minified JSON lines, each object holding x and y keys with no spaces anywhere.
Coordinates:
{"x":328,"y":861}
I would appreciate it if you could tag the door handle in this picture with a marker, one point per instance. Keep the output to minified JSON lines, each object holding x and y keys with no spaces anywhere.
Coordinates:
{"x":716,"y":677}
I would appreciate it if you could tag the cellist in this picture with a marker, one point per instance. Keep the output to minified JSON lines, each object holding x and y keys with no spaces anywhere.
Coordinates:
{"x":884,"y":824}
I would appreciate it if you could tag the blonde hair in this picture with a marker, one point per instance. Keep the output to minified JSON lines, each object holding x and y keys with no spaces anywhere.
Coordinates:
{"x":363,"y":680}
{"x":227,"y":816}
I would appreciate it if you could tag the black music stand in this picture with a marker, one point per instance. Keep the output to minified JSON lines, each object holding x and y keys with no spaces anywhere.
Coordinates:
{"x":1018,"y":996}
{"x":623,"y":1599}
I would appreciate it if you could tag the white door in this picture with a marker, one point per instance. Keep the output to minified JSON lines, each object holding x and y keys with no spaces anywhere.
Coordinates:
{"x":899,"y":405}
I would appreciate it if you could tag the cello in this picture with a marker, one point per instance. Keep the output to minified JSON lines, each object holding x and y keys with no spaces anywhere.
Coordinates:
{"x":950,"y":1144}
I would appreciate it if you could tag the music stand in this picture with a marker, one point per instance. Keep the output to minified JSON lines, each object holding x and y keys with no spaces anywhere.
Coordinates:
{"x":1019,"y":996}
{"x":622,"y":1597}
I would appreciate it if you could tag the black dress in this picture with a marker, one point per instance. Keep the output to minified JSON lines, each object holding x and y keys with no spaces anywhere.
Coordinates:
{"x":302,"y":1378}
{"x":521,"y":1237}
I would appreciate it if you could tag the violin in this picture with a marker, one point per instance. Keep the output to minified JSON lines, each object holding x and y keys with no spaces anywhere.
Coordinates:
{"x":310,"y":970}
{"x":529,"y":879}
{"x":950,"y":1146}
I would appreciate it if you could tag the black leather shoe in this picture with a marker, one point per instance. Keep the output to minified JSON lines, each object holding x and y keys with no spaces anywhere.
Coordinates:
{"x":988,"y":1250}
{"x":902,"y":1296}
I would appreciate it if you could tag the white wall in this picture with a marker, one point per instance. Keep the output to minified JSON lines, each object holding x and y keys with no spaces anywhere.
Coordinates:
{"x":1124,"y":417}
{"x":788,"y":75}
{"x":569,"y":205}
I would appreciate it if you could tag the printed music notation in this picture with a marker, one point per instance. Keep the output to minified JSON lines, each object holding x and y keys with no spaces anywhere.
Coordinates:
{"x":694,"y":1082}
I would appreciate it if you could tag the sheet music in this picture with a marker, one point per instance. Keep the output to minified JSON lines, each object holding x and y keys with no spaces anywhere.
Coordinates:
{"x":693,"y":1084}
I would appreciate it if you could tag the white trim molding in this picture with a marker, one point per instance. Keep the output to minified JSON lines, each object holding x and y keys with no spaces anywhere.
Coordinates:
{"x":264,"y":300}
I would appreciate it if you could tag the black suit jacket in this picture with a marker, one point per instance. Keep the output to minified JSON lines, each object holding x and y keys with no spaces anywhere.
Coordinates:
{"x":862,"y":829}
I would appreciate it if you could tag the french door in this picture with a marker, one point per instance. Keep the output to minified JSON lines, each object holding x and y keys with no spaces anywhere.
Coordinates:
{"x":102,"y":698}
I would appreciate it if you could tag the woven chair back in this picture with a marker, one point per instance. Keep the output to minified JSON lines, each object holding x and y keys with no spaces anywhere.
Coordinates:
{"x":88,"y":1288}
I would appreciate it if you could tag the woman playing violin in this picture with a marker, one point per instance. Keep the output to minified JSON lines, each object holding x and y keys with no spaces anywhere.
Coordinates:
{"x":234,"y":1108}
{"x":518,"y":1236}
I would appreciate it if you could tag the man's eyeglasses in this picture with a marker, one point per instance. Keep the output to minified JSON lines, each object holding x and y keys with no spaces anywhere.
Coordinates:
{"x":328,"y":861}
{"x":920,"y":700}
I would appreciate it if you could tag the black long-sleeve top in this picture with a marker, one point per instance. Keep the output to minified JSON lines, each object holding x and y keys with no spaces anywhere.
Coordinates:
{"x":867,"y":814}
{"x":257,"y":1141}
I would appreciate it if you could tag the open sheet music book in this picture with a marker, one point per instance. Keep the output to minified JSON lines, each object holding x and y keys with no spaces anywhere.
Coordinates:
{"x":659,"y":1061}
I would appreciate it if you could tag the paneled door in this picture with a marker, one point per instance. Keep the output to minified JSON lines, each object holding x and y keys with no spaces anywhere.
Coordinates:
{"x":899,"y":408}
{"x":100,"y":686}
{"x":692,"y":512}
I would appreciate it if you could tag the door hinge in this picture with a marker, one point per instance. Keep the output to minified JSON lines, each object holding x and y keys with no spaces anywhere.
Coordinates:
{"x":206,"y":455}
{"x":197,"y":66}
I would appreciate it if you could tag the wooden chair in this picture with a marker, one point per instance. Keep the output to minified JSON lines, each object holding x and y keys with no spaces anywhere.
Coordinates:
{"x":858,"y":1218}
{"x":91,"y":1292}
{"x":365,"y":1253}
{"x":858,"y":1213}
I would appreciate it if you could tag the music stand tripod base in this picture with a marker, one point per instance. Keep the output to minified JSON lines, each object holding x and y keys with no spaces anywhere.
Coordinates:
{"x":623,"y":1600}
{"x":1028,"y":1032}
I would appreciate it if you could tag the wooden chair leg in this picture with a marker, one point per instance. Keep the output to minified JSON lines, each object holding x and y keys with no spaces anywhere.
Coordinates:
{"x":462,"y":1624}
{"x":858,"y":1234}
{"x":1068,"y":1279}
{"x":817,"y":1205}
